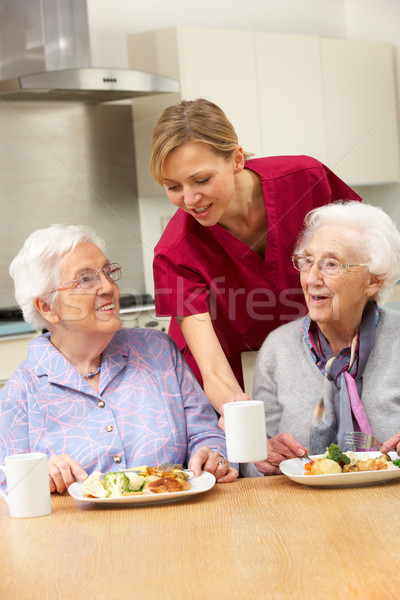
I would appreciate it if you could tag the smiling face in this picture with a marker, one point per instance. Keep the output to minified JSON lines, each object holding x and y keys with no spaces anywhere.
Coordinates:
{"x":337,"y":303}
{"x":201,"y":182}
{"x":77,"y":311}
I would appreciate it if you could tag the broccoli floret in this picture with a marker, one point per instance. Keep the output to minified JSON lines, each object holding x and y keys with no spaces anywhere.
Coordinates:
{"x":93,"y":486}
{"x":116,"y":484}
{"x":335,"y":453}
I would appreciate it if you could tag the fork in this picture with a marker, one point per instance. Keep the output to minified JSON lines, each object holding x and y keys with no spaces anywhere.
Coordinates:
{"x":168,"y":466}
{"x":361,"y":440}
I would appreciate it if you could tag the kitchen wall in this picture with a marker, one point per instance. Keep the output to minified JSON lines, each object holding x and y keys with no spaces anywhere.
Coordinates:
{"x":69,"y":163}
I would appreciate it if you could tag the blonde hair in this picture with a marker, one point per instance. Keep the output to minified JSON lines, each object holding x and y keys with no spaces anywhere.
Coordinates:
{"x":198,"y":121}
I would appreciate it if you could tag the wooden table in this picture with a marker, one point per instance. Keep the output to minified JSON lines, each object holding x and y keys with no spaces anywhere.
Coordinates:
{"x":256,"y":538}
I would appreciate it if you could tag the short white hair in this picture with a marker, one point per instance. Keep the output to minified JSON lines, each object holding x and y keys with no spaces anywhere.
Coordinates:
{"x":35,"y":270}
{"x":378,"y":242}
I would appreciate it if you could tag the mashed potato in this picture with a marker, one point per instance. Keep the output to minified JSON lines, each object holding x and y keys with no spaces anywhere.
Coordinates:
{"x":325,"y":466}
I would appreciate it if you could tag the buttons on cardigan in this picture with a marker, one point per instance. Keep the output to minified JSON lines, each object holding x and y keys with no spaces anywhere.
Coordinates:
{"x":109,"y":428}
{"x":101,"y":404}
{"x":117,"y":459}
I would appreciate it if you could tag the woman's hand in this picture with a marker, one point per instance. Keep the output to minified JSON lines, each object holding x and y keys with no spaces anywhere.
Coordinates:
{"x":279,"y":448}
{"x":63,"y":471}
{"x":238,"y":398}
{"x":208,"y":460}
{"x":392,"y":443}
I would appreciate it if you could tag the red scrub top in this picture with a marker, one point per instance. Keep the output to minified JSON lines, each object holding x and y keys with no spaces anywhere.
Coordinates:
{"x":201,"y":269}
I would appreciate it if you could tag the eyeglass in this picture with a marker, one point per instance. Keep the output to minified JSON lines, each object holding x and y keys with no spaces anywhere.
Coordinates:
{"x":328,"y":266}
{"x":91,"y":277}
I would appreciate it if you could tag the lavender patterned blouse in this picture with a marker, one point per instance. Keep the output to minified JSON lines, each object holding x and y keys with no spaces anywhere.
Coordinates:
{"x":149,"y":407}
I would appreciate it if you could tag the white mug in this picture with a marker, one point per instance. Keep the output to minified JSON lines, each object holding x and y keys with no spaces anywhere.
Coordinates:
{"x":246,"y":438}
{"x":28,"y":484}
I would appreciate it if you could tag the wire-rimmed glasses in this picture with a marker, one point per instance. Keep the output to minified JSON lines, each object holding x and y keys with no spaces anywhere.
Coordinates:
{"x":91,"y":277}
{"x":327,"y":266}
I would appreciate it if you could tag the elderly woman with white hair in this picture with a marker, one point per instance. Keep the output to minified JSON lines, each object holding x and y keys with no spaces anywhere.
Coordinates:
{"x":90,"y":394}
{"x":336,"y":370}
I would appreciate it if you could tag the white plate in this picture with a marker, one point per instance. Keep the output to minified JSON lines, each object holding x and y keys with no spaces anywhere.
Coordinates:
{"x":294,"y":469}
{"x":199,"y":485}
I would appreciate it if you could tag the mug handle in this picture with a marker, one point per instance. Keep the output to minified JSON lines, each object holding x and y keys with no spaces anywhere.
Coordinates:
{"x":3,"y":494}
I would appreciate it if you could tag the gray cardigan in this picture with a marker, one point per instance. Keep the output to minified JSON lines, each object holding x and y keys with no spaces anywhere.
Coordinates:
{"x":290,"y":384}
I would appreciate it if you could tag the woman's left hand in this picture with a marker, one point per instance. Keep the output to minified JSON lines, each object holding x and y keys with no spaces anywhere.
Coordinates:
{"x":392,"y":443}
{"x":208,"y":460}
{"x":242,"y":397}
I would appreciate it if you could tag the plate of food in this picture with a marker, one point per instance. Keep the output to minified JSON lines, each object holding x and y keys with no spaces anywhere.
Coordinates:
{"x":141,"y":486}
{"x":338,"y":469}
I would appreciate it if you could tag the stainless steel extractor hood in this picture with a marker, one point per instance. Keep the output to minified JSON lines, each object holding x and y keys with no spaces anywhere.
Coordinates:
{"x":45,"y":55}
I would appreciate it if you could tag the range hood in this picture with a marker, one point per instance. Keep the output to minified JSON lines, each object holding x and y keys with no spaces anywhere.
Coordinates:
{"x":45,"y":55}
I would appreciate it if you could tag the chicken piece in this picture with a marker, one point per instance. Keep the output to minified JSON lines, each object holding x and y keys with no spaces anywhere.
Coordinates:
{"x":168,"y":484}
{"x":350,"y":468}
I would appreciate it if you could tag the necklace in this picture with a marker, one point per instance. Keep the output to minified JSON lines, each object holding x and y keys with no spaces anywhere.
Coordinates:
{"x":92,"y":374}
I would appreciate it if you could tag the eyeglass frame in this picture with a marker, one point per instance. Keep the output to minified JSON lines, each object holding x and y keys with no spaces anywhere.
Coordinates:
{"x":97,"y":271}
{"x":340,"y":265}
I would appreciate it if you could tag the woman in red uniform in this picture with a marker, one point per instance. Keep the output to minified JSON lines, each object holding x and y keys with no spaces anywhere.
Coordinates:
{"x":221,"y":265}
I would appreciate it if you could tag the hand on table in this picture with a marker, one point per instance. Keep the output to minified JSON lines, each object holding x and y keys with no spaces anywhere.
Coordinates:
{"x":238,"y":398}
{"x":279,"y":448}
{"x":64,"y":471}
{"x":208,"y":460}
{"x":392,"y":443}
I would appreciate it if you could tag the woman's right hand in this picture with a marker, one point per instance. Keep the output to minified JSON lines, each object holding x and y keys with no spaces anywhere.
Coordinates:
{"x":279,"y":448}
{"x":63,"y":472}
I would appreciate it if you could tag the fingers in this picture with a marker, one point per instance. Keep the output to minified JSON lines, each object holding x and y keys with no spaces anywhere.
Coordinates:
{"x":392,"y":443}
{"x":241,"y":397}
{"x":63,"y":471}
{"x":279,"y":448}
{"x":208,"y":460}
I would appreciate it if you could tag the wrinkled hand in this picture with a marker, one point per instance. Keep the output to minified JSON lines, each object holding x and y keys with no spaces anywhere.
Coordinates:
{"x":392,"y":443}
{"x":279,"y":448}
{"x":63,"y":471}
{"x":238,"y":398}
{"x":208,"y":460}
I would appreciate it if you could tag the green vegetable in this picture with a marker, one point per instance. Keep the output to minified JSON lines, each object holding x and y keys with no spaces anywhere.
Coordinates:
{"x":396,"y":462}
{"x":116,"y":484}
{"x":335,"y":453}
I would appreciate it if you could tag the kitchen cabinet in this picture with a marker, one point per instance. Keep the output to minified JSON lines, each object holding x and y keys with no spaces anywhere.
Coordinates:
{"x":333,"y":99}
{"x":361,"y":110}
{"x":217,"y":65}
{"x":290,"y":92}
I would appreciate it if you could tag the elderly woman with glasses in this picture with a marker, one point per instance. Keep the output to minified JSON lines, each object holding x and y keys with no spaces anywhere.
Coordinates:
{"x":336,"y":370}
{"x":91,"y":395}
